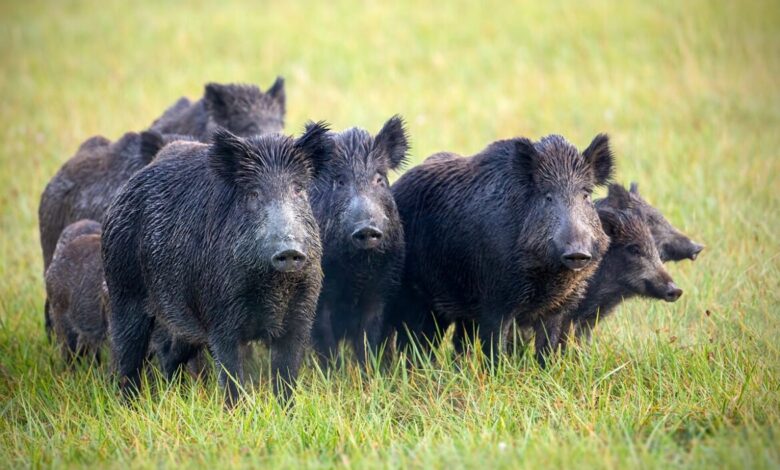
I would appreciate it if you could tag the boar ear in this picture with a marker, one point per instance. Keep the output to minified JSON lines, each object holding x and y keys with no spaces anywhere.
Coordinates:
{"x":151,"y":143}
{"x":227,"y":153}
{"x":216,"y":98}
{"x":599,"y":156}
{"x":618,"y":198}
{"x":316,"y":145}
{"x":277,"y":91}
{"x":394,"y":141}
{"x":634,"y":188}
{"x":610,"y":221}
{"x":525,"y":159}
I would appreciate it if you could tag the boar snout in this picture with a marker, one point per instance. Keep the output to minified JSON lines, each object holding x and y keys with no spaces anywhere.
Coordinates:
{"x":573,"y":241}
{"x":695,"y":250}
{"x":576,"y":259}
{"x":672,"y":292}
{"x":367,"y":237}
{"x":369,"y":220}
{"x":288,"y":260}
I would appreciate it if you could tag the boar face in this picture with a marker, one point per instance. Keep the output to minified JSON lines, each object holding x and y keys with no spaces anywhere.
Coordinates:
{"x":672,"y":244}
{"x":560,"y":181}
{"x":269,"y":179}
{"x":633,"y":259}
{"x":352,"y":198}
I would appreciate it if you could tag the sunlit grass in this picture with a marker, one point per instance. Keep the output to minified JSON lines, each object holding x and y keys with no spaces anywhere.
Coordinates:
{"x":690,"y":95}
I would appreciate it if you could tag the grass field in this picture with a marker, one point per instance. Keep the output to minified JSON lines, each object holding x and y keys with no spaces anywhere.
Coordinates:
{"x":689,"y":92}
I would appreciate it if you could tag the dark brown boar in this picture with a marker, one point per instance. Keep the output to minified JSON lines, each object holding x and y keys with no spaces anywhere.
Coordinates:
{"x":510,"y":234}
{"x":73,"y":287}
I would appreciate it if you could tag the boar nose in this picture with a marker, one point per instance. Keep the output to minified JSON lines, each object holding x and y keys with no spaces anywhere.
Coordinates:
{"x":367,"y":237}
{"x":576,"y":259}
{"x":695,"y":250}
{"x":672,"y":292}
{"x":287,"y":261}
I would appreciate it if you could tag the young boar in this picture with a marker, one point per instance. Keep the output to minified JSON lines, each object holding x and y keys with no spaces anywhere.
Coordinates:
{"x":73,"y":287}
{"x":85,"y":185}
{"x":631,"y":267}
{"x":672,"y":244}
{"x":508,"y":234}
{"x":244,"y":110}
{"x":362,"y":238}
{"x":218,"y":244}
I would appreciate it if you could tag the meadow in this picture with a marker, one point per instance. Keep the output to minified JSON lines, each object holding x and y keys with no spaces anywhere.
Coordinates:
{"x":689,"y":93}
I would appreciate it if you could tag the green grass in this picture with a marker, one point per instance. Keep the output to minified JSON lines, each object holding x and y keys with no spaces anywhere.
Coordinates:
{"x":689,"y":92}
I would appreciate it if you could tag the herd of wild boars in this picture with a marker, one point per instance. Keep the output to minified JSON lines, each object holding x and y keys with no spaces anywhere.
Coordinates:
{"x":213,"y":229}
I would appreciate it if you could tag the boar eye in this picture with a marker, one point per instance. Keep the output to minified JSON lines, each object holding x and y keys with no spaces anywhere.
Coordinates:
{"x":254,"y":195}
{"x":341,"y":182}
{"x":548,"y":197}
{"x":587,"y":194}
{"x":634,"y":250}
{"x":298,"y":189}
{"x":379,"y":179}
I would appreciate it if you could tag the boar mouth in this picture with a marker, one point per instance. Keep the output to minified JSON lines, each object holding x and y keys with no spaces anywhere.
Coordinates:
{"x":695,"y":252}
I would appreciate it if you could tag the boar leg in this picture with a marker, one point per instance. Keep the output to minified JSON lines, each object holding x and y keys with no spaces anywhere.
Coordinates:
{"x":227,"y":356}
{"x":492,"y":333}
{"x":70,"y":346}
{"x":547,"y":336}
{"x":175,"y":357}
{"x":47,"y":318}
{"x":286,"y":357}
{"x":419,"y":328}
{"x":131,"y":330}
{"x":584,"y":328}
{"x":369,"y":335}
{"x":287,"y":350}
{"x":464,"y":334}
{"x":324,"y":339}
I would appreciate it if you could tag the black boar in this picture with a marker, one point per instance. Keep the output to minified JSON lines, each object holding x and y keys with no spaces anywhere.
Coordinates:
{"x":362,"y":238}
{"x":73,"y":286}
{"x":218,"y":244}
{"x":631,"y":267}
{"x":672,"y":244}
{"x":508,"y":234}
{"x":85,"y":185}
{"x":242,"y":109}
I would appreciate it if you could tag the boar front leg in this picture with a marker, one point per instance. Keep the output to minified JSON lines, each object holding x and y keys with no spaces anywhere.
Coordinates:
{"x":286,"y":358}
{"x":492,"y":332}
{"x":226,"y":351}
{"x":367,"y":339}
{"x":548,"y":336}
{"x":287,"y":350}
{"x":324,"y":339}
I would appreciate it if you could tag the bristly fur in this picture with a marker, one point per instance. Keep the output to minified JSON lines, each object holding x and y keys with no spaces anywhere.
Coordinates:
{"x":73,"y":285}
{"x":352,"y":194}
{"x":394,"y":140}
{"x":190,"y":244}
{"x":242,"y":109}
{"x":599,"y":154}
{"x":85,"y":185}
{"x":485,"y":237}
{"x":631,"y":267}
{"x":152,"y":142}
{"x":244,"y":160}
{"x":672,"y":244}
